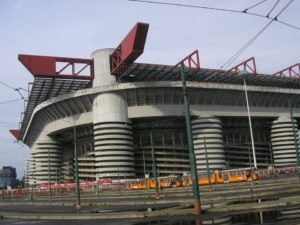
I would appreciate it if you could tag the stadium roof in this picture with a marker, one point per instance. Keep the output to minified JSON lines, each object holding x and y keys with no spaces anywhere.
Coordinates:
{"x":46,"y":88}
{"x":151,"y":72}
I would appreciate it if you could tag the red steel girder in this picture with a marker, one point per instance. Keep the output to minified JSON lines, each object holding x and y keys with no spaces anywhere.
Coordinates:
{"x":191,"y":61}
{"x":291,"y":71}
{"x":130,"y":49}
{"x":47,"y":66}
{"x":249,"y":65}
{"x":16,"y":133}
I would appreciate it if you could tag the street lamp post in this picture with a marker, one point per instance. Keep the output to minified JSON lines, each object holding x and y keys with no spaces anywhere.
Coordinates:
{"x":196,"y":196}
{"x":250,"y":126}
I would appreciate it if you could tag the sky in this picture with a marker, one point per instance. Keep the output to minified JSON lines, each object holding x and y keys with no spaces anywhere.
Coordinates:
{"x":75,"y":28}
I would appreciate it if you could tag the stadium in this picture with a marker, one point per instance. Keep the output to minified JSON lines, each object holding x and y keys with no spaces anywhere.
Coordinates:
{"x":113,"y":112}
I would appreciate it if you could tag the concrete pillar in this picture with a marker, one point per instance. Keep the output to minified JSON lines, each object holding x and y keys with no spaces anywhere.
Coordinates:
{"x":46,"y":151}
{"x":67,"y":172}
{"x":102,"y":67}
{"x":283,"y":143}
{"x":113,"y":142}
{"x":210,"y":128}
{"x":86,"y":160}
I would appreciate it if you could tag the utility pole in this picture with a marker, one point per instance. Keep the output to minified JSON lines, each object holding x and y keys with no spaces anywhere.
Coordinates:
{"x":49,"y":175}
{"x":196,"y":196}
{"x":296,"y":139}
{"x":272,"y":161}
{"x":250,"y":126}
{"x":146,"y":178}
{"x":154,"y":166}
{"x":76,"y":169}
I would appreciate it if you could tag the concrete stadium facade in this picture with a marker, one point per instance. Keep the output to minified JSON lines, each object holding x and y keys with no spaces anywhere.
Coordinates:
{"x":113,"y":120}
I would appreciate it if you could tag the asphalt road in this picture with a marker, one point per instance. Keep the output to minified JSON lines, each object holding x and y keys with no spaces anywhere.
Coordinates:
{"x":138,"y":198}
{"x":48,"y":209}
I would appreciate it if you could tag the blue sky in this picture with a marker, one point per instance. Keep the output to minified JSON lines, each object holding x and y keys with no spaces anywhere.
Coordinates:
{"x":75,"y":28}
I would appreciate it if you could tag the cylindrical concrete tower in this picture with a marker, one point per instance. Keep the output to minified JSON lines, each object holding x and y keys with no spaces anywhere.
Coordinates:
{"x":113,"y":142}
{"x":283,"y":142}
{"x":46,"y":153}
{"x":30,"y":169}
{"x":210,"y":129}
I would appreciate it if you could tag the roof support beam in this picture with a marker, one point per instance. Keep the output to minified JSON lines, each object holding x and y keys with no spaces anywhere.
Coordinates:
{"x":291,"y":71}
{"x":48,"y":66}
{"x":248,"y":65}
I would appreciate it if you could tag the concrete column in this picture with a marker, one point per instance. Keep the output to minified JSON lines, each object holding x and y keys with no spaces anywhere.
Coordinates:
{"x":67,"y":172}
{"x":102,"y":67}
{"x":210,"y":128}
{"x":113,"y":142}
{"x":86,"y":160}
{"x":46,"y":151}
{"x":283,"y":143}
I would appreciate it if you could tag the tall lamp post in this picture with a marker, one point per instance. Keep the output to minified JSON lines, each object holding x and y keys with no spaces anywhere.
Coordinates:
{"x":196,"y":196}
{"x":250,"y":126}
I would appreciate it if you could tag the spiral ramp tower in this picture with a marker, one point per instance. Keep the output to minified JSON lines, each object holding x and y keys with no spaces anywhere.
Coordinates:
{"x":30,"y":169}
{"x":47,"y":154}
{"x":283,"y":141}
{"x":113,"y":141}
{"x":208,"y":140}
{"x":284,"y":152}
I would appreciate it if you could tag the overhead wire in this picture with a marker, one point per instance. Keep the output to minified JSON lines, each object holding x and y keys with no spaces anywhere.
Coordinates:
{"x":253,"y":39}
{"x":215,"y":9}
{"x":12,"y":149}
{"x":9,"y":101}
{"x":19,"y":89}
{"x":273,"y":8}
{"x":7,"y":85}
{"x":251,"y":7}
{"x":6,"y":123}
{"x":244,"y":47}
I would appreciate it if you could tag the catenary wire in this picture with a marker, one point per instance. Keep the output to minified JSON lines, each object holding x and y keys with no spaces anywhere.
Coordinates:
{"x":9,"y":101}
{"x":6,"y":123}
{"x":7,"y":85}
{"x":244,"y":47}
{"x":273,"y":8}
{"x":215,"y":9}
{"x":254,"y":38}
{"x":12,"y":149}
{"x":251,"y":7}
